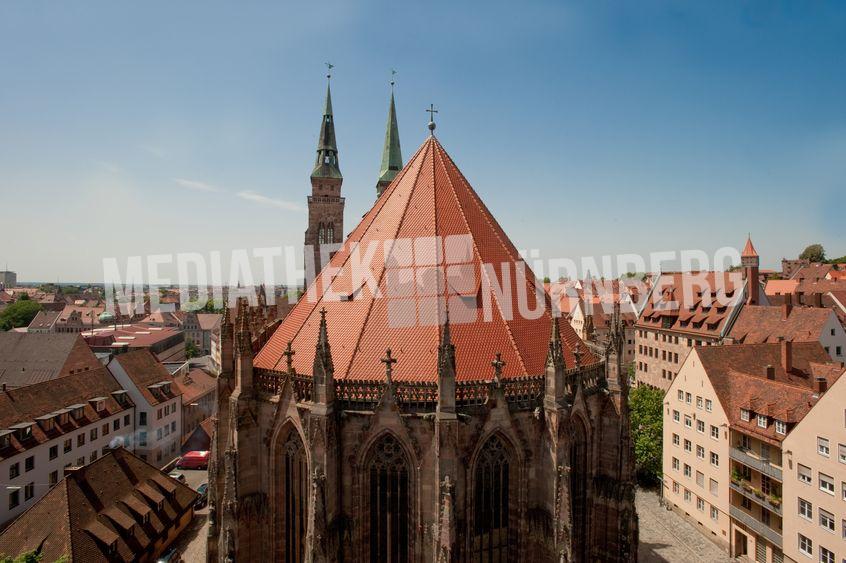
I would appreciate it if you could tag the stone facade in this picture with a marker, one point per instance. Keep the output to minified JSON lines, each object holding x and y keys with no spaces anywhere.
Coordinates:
{"x":539,"y":468}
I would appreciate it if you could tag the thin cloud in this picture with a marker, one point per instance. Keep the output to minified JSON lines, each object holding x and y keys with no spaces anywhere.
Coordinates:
{"x":256,"y":197}
{"x":196,"y":185}
{"x":155,"y":151}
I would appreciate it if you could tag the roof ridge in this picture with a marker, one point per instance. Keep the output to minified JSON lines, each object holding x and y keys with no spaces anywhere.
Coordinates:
{"x":381,"y":203}
{"x":384,"y":268}
{"x":516,"y":348}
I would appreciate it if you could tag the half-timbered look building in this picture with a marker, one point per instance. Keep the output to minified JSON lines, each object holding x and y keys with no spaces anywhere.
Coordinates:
{"x":425,"y":406}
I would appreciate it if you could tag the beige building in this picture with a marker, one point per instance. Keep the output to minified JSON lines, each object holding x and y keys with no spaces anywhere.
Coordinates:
{"x":815,"y":481}
{"x":687,"y":309}
{"x":726,"y":414}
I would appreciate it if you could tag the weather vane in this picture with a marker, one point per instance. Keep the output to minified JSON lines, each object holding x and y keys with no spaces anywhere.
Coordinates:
{"x":329,"y":67}
{"x":393,"y":72}
{"x":432,"y":111}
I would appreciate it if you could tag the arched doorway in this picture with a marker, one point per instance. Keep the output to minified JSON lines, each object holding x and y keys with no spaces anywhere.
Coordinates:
{"x":388,"y":502}
{"x":494,"y":522}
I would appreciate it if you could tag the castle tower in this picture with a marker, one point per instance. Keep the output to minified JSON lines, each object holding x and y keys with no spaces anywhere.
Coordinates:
{"x":750,"y":261}
{"x":391,"y":153}
{"x":325,"y":204}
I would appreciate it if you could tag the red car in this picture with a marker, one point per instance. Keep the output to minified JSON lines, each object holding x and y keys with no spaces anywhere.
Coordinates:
{"x":194,"y":460}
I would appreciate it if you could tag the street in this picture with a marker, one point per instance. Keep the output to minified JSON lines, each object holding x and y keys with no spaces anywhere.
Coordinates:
{"x":667,"y":537}
{"x":191,"y":544}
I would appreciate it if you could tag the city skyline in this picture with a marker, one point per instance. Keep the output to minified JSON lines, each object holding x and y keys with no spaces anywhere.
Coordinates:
{"x":141,"y":124}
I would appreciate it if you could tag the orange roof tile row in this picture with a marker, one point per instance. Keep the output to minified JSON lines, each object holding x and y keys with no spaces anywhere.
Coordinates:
{"x":445,"y":236}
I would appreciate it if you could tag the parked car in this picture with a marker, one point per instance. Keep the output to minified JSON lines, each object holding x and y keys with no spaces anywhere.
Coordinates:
{"x":194,"y":460}
{"x":177,"y":475}
{"x":203,"y":499}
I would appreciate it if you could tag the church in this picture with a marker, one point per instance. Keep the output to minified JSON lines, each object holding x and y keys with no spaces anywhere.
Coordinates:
{"x":421,"y":402}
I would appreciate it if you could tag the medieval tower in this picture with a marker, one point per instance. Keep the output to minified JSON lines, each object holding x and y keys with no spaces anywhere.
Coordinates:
{"x":325,"y":205}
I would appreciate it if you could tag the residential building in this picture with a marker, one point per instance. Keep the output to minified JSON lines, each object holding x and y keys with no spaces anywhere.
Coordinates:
{"x":49,"y":426}
{"x":167,"y":344}
{"x":117,"y":508}
{"x":158,"y":405}
{"x":690,"y":309}
{"x":756,"y":324}
{"x":44,"y":322}
{"x":27,"y":358}
{"x":814,"y":497}
{"x":726,"y":414}
{"x":198,"y":398}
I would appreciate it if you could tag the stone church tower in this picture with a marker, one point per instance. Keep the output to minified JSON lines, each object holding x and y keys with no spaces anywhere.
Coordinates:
{"x":434,"y":411}
{"x":325,"y":204}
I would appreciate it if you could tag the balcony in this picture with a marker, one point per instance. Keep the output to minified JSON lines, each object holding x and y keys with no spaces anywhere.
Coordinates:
{"x":761,"y":465}
{"x":763,"y":500}
{"x":755,"y":525}
{"x":325,"y":199}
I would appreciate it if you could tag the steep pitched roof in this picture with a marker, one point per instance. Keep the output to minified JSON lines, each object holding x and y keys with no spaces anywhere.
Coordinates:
{"x":105,"y":511}
{"x":756,"y":324}
{"x":738,"y":374}
{"x":748,"y":250}
{"x":431,"y":234}
{"x":27,"y":358}
{"x":145,"y":370}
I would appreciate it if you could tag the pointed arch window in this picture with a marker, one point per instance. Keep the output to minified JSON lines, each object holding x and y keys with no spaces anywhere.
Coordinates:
{"x":578,"y":489}
{"x":295,"y":498}
{"x":330,"y":233}
{"x":494,"y":532}
{"x":321,"y":233}
{"x":388,"y":476}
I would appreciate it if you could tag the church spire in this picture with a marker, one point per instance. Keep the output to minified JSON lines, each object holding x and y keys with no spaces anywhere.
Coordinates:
{"x":326,"y":165}
{"x":391,"y":152}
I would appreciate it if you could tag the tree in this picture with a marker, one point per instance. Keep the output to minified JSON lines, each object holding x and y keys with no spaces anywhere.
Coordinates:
{"x":646,"y":406}
{"x":19,"y":313}
{"x":191,"y":351}
{"x":23,"y":297}
{"x":814,"y":253}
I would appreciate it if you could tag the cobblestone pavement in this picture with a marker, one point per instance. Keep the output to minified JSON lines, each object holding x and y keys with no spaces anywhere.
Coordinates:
{"x":666,"y":536}
{"x":191,"y":544}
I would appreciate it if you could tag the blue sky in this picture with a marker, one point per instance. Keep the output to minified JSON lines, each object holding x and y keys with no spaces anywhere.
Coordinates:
{"x":588,"y":128}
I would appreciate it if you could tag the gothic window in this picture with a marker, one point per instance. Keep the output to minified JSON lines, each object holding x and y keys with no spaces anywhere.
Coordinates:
{"x":578,"y":489}
{"x":321,"y":233}
{"x":330,"y":232}
{"x":294,"y":496}
{"x":388,"y":501}
{"x":493,"y":524}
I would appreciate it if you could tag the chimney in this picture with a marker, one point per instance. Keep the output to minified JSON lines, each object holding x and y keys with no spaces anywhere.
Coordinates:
{"x":786,"y":355}
{"x":788,"y":306}
{"x":820,"y":385}
{"x":770,"y":371}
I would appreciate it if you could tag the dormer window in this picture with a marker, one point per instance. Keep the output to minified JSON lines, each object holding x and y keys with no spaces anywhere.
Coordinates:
{"x":46,"y":422}
{"x":745,"y":415}
{"x":99,"y":403}
{"x":5,"y":439}
{"x":23,"y":431}
{"x":76,"y":411}
{"x":121,"y":397}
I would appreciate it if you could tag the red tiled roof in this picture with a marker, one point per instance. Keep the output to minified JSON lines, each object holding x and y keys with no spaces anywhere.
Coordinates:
{"x":748,"y":250}
{"x":698,"y":303}
{"x":194,"y":384}
{"x":756,"y":324}
{"x":25,"y":404}
{"x":812,"y":272}
{"x":429,"y":198}
{"x":27,"y":358}
{"x":101,"y":505}
{"x":738,"y":374}
{"x":781,"y":287}
{"x":144,"y":370}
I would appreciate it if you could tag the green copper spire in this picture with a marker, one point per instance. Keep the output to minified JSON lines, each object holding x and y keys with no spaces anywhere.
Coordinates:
{"x":326,"y":165}
{"x":391,"y":153}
